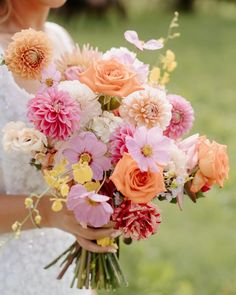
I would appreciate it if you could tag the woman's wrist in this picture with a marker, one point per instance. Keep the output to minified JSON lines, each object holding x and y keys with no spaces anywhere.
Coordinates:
{"x":45,"y":211}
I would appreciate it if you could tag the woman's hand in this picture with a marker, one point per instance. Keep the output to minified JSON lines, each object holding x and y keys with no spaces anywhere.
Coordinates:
{"x":66,"y":221}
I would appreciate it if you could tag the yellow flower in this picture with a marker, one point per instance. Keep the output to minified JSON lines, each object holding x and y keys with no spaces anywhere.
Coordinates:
{"x":168,"y":61}
{"x":64,"y":189}
{"x":55,"y":180}
{"x":82,"y":172}
{"x":15,"y":226}
{"x":92,"y":186}
{"x":38,"y":219}
{"x":155,"y":75}
{"x":105,"y":242}
{"x":28,"y":203}
{"x":57,"y":205}
{"x":165,"y":79}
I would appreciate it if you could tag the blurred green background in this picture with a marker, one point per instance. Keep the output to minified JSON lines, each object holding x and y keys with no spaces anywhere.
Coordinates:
{"x":195,"y":250}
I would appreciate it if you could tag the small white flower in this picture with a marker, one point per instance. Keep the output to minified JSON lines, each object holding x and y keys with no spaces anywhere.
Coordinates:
{"x":16,"y":137}
{"x":87,"y":99}
{"x":178,"y":161}
{"x":105,"y":125}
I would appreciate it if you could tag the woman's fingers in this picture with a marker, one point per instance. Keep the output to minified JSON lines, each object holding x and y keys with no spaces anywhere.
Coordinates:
{"x":92,"y":247}
{"x":91,"y":233}
{"x":96,"y":234}
{"x":110,"y":224}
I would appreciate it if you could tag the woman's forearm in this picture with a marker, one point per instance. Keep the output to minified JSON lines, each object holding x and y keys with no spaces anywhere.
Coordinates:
{"x":12,"y":209}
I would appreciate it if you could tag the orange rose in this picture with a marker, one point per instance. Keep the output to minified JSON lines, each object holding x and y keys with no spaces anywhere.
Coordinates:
{"x":135,"y":185}
{"x":110,"y":77}
{"x":213,"y":165}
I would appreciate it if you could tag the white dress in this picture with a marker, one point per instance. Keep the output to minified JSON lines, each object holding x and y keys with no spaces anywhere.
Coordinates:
{"x":22,"y":261}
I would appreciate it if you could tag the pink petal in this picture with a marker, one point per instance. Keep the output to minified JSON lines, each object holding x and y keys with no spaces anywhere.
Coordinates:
{"x":98,"y":198}
{"x":153,"y":44}
{"x":132,"y":37}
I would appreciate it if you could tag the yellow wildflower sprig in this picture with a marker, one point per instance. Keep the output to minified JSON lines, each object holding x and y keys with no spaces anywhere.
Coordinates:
{"x":174,"y":24}
{"x":33,"y":214}
{"x":57,"y":179}
{"x":160,"y":75}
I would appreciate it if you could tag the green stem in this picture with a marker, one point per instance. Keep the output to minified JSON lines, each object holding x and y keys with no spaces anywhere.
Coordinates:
{"x":82,"y":261}
{"x":101,"y":272}
{"x":60,"y":256}
{"x":88,"y":268}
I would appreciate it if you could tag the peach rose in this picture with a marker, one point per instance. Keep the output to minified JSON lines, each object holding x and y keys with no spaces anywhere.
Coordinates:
{"x":110,"y":77}
{"x":135,"y":185}
{"x":213,"y":165}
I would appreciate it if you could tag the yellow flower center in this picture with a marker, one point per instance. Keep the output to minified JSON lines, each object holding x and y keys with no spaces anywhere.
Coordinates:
{"x":147,"y":150}
{"x":92,"y":203}
{"x":49,"y":82}
{"x":85,"y":157}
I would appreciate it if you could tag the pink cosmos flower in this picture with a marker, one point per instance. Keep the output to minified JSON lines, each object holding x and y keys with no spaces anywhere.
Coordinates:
{"x":149,"y":148}
{"x":189,"y":146}
{"x":182,"y":117}
{"x":54,"y":113}
{"x":89,"y":208}
{"x":50,"y":78}
{"x":117,"y":142}
{"x":132,"y":37}
{"x":87,"y":148}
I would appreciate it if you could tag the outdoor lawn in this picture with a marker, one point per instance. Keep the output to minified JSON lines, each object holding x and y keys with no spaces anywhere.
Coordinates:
{"x":195,"y":250}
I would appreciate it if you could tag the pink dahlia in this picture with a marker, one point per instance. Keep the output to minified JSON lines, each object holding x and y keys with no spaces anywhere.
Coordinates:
{"x":149,"y":148}
{"x":54,"y":113}
{"x":89,"y":208}
{"x":182,"y":117}
{"x":86,"y":147}
{"x":117,"y":142}
{"x":137,"y":221}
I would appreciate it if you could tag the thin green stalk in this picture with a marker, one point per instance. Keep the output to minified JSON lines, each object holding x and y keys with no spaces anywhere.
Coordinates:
{"x":82,"y":261}
{"x":60,"y":256}
{"x":101,"y":272}
{"x":93,"y":278}
{"x":88,"y":269}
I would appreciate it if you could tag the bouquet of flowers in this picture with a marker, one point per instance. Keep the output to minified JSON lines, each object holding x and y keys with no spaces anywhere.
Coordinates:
{"x":107,"y":137}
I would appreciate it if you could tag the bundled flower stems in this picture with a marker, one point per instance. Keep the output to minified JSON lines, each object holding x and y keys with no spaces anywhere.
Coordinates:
{"x":108,"y":139}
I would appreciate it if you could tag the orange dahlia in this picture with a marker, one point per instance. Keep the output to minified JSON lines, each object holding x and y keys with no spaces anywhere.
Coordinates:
{"x":28,"y":53}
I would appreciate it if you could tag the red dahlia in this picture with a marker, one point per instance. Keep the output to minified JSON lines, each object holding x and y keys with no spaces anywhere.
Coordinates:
{"x":137,"y":221}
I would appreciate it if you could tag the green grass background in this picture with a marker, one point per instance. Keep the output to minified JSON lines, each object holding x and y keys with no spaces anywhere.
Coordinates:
{"x":195,"y":250}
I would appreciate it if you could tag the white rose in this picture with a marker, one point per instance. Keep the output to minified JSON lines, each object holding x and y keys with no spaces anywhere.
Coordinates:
{"x":31,"y":140}
{"x":16,"y":137}
{"x":86,"y":98}
{"x":10,"y":134}
{"x":105,"y":125}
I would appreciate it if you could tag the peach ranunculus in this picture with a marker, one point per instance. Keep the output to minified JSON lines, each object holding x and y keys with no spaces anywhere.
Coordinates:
{"x":213,"y":165}
{"x":110,"y":77}
{"x":135,"y":185}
